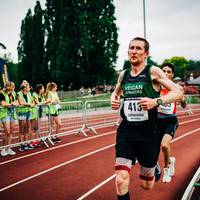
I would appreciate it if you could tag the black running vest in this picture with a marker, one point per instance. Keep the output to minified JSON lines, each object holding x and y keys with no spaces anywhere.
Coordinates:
{"x":136,"y":87}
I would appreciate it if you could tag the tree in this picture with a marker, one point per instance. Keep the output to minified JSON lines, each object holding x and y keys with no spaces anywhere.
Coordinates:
{"x":99,"y":39}
{"x":39,"y":71}
{"x":25,"y":46}
{"x":194,"y":65}
{"x":127,"y":65}
{"x":81,"y":42}
{"x":80,"y":39}
{"x":53,"y":29}
{"x":68,"y":59}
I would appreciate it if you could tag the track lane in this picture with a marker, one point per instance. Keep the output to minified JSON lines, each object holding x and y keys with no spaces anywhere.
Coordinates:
{"x":191,"y":125}
{"x":71,"y":138}
{"x":186,"y":151}
{"x":45,"y":160}
{"x":70,"y":187}
{"x":20,"y":169}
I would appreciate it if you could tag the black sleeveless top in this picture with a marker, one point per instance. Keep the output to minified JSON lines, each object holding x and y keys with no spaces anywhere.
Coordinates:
{"x":135,"y":88}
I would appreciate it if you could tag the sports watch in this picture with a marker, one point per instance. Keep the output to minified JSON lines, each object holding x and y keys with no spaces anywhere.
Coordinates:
{"x":159,"y":102}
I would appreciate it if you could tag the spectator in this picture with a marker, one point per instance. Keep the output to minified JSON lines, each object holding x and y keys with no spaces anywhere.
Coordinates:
{"x":8,"y":115}
{"x":93,"y":91}
{"x":52,"y":97}
{"x":25,"y":101}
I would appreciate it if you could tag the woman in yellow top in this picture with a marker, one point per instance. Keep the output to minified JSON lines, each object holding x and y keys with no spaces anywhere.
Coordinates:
{"x":24,"y":112}
{"x":8,"y":115}
{"x":36,"y":112}
{"x":53,"y":99}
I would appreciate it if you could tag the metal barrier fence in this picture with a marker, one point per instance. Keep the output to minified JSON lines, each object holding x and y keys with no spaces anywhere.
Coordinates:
{"x":193,"y":104}
{"x":28,"y":124}
{"x":71,"y":115}
{"x":98,"y":113}
{"x":43,"y":127}
{"x":76,"y":117}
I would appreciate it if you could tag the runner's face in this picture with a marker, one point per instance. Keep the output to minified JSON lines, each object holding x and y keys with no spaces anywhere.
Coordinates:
{"x":136,"y":52}
{"x":168,"y":72}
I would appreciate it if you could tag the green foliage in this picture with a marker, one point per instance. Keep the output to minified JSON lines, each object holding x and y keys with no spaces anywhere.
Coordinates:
{"x":74,"y":43}
{"x":81,"y":43}
{"x":31,"y":52}
{"x":193,"y":65}
{"x":127,"y":65}
{"x":12,"y":71}
{"x":52,"y":25}
{"x":40,"y":73}
{"x":25,"y":46}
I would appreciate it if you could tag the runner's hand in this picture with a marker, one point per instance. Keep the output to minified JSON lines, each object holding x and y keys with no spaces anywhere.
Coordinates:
{"x":115,"y":102}
{"x":147,"y":103}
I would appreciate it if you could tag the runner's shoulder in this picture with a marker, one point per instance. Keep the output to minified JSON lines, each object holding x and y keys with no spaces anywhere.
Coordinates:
{"x":156,"y":72}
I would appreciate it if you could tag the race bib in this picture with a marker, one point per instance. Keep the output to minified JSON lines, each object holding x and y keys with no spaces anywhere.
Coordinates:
{"x":167,"y":108}
{"x":133,"y":110}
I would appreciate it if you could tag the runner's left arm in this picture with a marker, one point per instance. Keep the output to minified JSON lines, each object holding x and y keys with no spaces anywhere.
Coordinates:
{"x":159,"y":77}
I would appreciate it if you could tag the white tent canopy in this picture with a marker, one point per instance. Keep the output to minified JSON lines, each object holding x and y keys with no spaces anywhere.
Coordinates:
{"x":195,"y":81}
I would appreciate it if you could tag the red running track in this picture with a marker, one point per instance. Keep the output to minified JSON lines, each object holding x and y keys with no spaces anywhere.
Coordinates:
{"x":83,"y":168}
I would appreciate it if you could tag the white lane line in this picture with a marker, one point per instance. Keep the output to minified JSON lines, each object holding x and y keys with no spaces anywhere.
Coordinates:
{"x":188,"y":116}
{"x":97,"y":187}
{"x":55,"y":167}
{"x":186,"y":134}
{"x":57,"y":147}
{"x":113,"y":176}
{"x":192,"y":120}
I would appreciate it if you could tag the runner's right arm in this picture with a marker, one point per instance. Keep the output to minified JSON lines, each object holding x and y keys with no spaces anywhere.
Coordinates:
{"x":115,"y":97}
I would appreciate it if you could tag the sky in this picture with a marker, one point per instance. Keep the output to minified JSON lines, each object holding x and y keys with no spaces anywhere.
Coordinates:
{"x":172,"y":27}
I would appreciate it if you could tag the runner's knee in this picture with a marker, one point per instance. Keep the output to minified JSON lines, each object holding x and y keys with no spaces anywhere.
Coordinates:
{"x":122,"y":179}
{"x":147,"y":178}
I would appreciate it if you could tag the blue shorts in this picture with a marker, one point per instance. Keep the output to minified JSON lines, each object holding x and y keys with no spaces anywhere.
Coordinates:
{"x":8,"y":118}
{"x":23,"y":116}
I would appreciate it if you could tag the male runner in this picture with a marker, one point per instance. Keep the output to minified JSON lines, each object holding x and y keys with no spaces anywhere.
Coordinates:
{"x":168,"y":124}
{"x":137,"y":135}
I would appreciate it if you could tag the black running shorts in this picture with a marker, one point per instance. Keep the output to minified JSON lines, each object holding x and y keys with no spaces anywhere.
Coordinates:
{"x":168,"y":125}
{"x":138,"y":142}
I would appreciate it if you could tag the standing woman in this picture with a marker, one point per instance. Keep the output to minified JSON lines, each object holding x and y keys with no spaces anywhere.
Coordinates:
{"x":52,"y":97}
{"x":39,"y":97}
{"x":39,"y":100}
{"x":26,"y":102}
{"x":8,"y":114}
